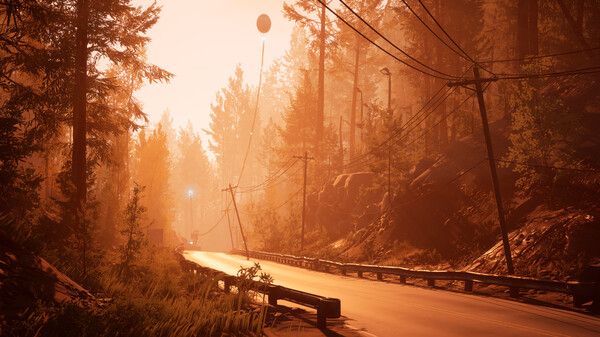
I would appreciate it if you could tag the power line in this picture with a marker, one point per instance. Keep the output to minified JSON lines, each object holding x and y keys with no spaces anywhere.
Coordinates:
{"x":573,"y":72}
{"x":398,"y":132}
{"x":272,"y":182}
{"x":276,"y":207}
{"x":462,"y":53}
{"x":390,"y":42}
{"x":455,"y":178}
{"x":213,"y":226}
{"x":273,"y":177}
{"x":464,"y":56}
{"x":380,"y":47}
{"x":444,"y":31}
{"x":262,"y":58}
{"x":588,"y":170}
{"x":427,"y":130}
{"x":522,"y":59}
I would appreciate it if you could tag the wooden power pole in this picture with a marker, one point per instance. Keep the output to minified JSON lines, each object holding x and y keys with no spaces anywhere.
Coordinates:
{"x":477,"y":81}
{"x":226,"y":211}
{"x":305,"y":159}
{"x":237,"y":213}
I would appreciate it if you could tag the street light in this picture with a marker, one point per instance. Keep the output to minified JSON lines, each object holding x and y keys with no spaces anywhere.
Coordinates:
{"x":190,"y":194}
{"x":385,"y":71}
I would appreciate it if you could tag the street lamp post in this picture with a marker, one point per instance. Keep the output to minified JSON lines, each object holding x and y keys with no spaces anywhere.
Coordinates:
{"x":362,"y":121}
{"x":190,"y":194}
{"x":386,"y":72}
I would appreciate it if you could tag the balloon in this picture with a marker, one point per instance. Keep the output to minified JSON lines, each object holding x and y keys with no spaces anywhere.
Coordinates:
{"x":263,"y":23}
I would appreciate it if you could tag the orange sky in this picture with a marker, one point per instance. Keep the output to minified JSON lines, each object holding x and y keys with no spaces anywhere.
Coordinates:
{"x":201,"y":41}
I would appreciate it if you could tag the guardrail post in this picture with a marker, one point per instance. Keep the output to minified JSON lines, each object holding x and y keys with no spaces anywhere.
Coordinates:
{"x":343,"y":270}
{"x":468,"y":285}
{"x":402,"y":279}
{"x":273,"y":296}
{"x":431,"y":282}
{"x":321,"y":315}
{"x":380,"y":276}
{"x":359,"y":274}
{"x":514,"y":292}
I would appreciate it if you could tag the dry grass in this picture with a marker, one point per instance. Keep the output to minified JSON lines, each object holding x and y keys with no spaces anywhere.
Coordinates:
{"x":158,"y":300}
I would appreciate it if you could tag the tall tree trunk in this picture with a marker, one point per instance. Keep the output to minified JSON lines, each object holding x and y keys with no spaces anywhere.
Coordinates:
{"x":575,"y":27}
{"x":321,"y":84}
{"x":443,"y":126}
{"x":527,"y":28}
{"x":580,"y":12}
{"x":354,"y":99}
{"x":79,"y":123}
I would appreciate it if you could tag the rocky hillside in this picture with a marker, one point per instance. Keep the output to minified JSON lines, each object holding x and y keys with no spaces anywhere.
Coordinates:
{"x":443,"y":215}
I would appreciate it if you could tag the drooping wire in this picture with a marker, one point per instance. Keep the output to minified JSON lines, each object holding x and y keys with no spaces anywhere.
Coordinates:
{"x":564,"y":73}
{"x":380,"y":47}
{"x":560,"y":168}
{"x":390,"y":42}
{"x":462,"y":55}
{"x":290,"y":198}
{"x":522,"y":59}
{"x":394,"y":132}
{"x":426,"y":130}
{"x":262,"y":58}
{"x":271,"y":184}
{"x":274,"y":176}
{"x":444,"y":31}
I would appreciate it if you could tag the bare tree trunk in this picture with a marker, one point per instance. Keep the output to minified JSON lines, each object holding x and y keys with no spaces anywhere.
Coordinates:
{"x":527,"y":30}
{"x":580,"y":12}
{"x":575,"y":27}
{"x":354,"y":99}
{"x":442,"y":129}
{"x":79,"y":124}
{"x":321,"y":85}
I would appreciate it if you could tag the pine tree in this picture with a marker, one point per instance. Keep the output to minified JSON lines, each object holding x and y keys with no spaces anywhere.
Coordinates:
{"x":132,"y":231}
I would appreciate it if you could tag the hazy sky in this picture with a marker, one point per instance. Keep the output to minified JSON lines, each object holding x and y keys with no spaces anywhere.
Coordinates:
{"x":201,"y":41}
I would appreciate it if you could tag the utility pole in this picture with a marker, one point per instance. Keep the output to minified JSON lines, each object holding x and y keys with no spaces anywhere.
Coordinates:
{"x":385,"y":71}
{"x":226,"y":211}
{"x":305,"y":159}
{"x":361,"y":125}
{"x":477,"y":81}
{"x":341,"y":141}
{"x":353,"y":106}
{"x":237,"y":213}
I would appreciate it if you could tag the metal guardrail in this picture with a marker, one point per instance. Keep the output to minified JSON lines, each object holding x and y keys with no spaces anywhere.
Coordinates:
{"x":326,"y":307}
{"x":582,"y":292}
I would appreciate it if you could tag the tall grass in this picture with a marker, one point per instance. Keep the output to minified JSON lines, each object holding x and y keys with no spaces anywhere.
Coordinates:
{"x":160,"y":300}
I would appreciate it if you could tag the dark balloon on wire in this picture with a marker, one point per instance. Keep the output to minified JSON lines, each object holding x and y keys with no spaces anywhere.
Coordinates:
{"x":263,"y":23}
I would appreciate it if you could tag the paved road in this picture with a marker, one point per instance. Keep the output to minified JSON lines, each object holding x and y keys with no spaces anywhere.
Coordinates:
{"x":387,"y":309}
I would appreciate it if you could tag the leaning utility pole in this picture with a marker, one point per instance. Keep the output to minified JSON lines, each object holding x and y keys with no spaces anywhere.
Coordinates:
{"x":226,"y":211}
{"x":305,"y":159}
{"x":237,"y":213}
{"x":477,"y":81}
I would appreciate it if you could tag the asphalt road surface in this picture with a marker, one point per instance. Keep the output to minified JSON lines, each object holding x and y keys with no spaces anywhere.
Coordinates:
{"x":387,"y":309}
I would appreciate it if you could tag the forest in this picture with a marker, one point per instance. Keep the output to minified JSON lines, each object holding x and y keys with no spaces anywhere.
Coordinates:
{"x":441,"y":135}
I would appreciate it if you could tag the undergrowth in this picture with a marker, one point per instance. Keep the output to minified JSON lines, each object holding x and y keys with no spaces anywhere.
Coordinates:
{"x":158,"y":299}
